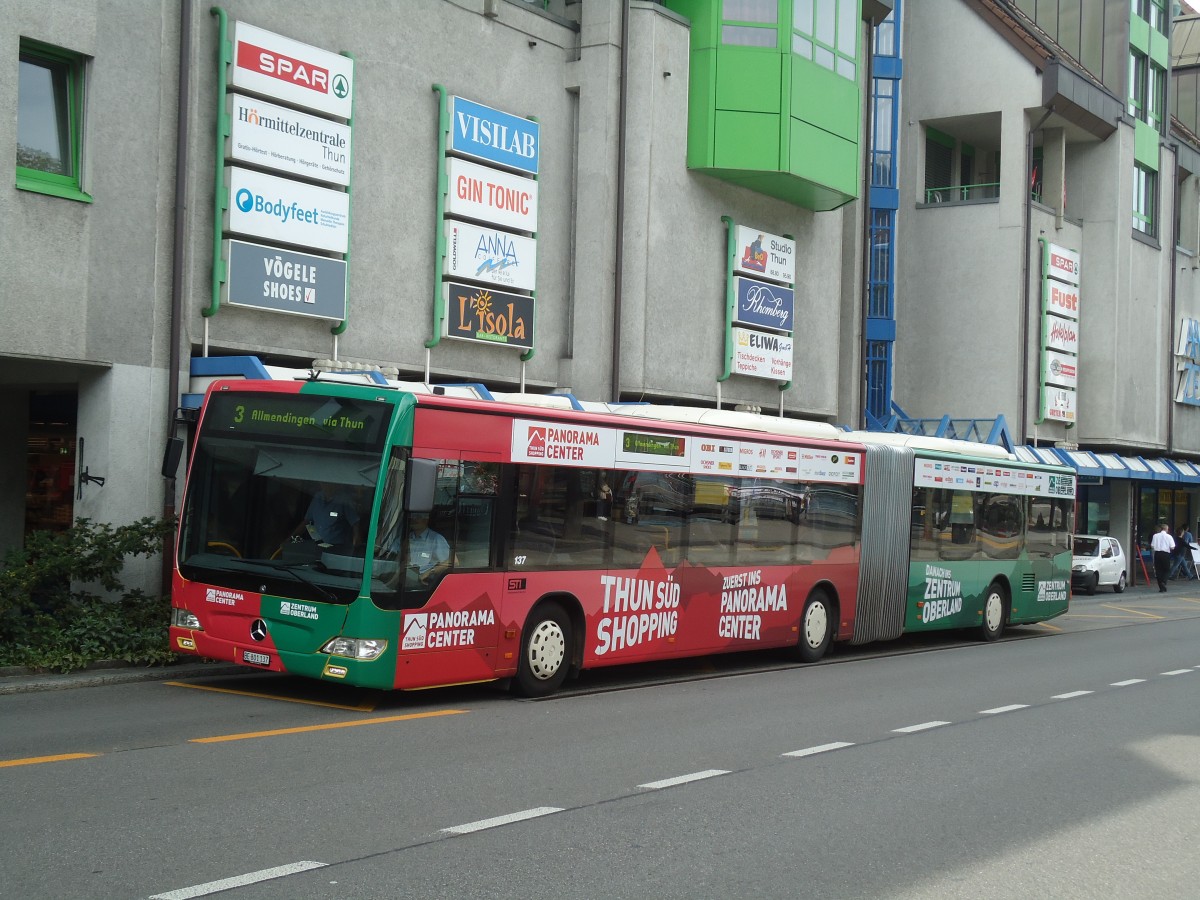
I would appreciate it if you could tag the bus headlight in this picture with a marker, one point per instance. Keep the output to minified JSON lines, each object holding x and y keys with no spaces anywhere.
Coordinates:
{"x":181,"y":618}
{"x":355,"y":648}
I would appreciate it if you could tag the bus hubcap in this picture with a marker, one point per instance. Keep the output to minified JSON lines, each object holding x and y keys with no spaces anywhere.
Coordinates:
{"x":995,"y":608}
{"x":547,"y":650}
{"x":816,"y":623}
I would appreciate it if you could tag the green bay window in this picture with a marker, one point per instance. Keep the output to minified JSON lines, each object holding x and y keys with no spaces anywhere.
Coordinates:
{"x":49,"y":121}
{"x":774,"y":102}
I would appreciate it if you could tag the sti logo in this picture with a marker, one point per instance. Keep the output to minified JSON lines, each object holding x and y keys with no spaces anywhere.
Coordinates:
{"x":537,"y":443}
{"x":285,"y":68}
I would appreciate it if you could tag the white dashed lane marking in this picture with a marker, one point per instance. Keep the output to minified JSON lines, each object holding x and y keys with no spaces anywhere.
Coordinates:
{"x":1071,"y":695}
{"x":822,"y":748}
{"x":1003,"y":709}
{"x":1128,"y":682}
{"x":910,"y":729}
{"x":497,"y":821}
{"x":225,"y":884}
{"x":1177,"y":672}
{"x":683,"y":779}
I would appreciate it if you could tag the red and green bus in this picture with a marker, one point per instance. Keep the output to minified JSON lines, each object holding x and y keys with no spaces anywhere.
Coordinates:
{"x":574,"y":536}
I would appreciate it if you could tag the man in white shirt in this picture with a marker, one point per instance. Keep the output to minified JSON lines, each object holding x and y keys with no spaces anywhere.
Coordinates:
{"x":1162,"y":544}
{"x":428,"y":552}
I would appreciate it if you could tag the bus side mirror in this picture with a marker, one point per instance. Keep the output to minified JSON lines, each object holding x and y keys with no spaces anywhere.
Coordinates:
{"x":422,"y":483}
{"x":171,"y":456}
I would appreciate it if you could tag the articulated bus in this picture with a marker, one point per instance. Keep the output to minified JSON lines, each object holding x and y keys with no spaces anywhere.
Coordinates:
{"x":575,"y":535}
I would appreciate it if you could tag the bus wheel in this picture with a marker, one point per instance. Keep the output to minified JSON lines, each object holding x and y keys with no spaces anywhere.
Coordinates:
{"x":816,"y":628}
{"x":545,"y":651}
{"x":995,"y":608}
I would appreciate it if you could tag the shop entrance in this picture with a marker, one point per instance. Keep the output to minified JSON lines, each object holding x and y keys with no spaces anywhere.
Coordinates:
{"x":50,"y":460}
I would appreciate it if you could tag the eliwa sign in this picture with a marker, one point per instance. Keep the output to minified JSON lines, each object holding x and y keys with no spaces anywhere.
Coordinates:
{"x":1060,"y":333}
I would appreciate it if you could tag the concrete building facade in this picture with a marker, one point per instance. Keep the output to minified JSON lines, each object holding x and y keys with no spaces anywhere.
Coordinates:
{"x":109,"y":268}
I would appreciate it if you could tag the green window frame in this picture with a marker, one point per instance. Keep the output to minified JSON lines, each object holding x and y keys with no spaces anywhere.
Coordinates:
{"x":827,"y":32}
{"x":50,"y":121}
{"x":1145,"y":191}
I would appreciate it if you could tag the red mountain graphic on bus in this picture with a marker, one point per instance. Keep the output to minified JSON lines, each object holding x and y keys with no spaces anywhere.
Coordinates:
{"x":537,"y":443}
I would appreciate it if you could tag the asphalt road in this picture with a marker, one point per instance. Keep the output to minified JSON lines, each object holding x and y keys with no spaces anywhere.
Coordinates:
{"x":1061,"y":762}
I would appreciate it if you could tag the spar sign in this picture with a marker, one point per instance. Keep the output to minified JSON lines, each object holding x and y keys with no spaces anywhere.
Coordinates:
{"x":274,"y":66}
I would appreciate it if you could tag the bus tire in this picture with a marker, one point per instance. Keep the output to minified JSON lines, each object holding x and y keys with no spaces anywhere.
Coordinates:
{"x":816,"y":627}
{"x":545,"y":651}
{"x":995,"y":611}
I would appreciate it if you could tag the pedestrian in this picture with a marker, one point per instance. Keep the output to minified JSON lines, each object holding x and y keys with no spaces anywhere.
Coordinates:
{"x":1162,"y":544}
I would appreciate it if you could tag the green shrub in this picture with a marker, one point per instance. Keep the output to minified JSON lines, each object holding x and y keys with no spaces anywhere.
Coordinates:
{"x":49,"y":617}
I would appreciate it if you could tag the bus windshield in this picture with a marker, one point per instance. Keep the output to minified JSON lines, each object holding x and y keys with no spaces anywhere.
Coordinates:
{"x":280,"y":494}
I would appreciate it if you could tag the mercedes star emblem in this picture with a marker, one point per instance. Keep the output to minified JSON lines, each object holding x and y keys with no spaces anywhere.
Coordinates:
{"x":258,"y":630}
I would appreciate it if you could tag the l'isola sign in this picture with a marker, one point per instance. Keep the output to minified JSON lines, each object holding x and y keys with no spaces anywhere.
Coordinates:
{"x":476,"y":313}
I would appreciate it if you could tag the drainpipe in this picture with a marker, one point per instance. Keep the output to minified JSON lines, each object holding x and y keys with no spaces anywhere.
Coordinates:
{"x":865,"y":274}
{"x":177,"y":256}
{"x":1173,"y":305}
{"x":619,"y":255}
{"x":1026,"y":230}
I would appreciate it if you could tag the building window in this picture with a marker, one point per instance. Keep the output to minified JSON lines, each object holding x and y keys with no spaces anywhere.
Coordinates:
{"x":879,"y":275}
{"x":1145,"y":209}
{"x":883,"y":122}
{"x":49,"y":121}
{"x":1156,"y":95}
{"x":826,"y":31}
{"x":750,"y":23}
{"x":1137,"y":85}
{"x":1156,"y":15}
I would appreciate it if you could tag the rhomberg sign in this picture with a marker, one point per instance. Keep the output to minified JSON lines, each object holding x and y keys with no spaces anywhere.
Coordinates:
{"x":274,"y":66}
{"x":476,"y":313}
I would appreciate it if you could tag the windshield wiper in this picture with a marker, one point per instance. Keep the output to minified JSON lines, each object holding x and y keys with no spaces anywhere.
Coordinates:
{"x":293,"y":569}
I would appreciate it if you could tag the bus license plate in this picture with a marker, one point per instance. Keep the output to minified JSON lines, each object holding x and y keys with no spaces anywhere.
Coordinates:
{"x":258,"y":659}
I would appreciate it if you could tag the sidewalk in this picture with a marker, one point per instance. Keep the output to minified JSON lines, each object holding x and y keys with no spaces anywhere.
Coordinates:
{"x":15,"y":680}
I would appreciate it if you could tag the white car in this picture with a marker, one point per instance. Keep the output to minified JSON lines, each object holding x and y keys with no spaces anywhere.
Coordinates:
{"x":1097,"y":560}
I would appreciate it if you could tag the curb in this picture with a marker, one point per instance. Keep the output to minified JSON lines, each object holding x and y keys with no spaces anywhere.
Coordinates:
{"x":16,"y":680}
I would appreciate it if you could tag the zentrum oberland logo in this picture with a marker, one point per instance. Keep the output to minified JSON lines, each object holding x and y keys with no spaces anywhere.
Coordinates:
{"x":248,"y":201}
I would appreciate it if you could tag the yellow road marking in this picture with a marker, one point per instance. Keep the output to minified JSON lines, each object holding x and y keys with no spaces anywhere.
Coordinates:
{"x":1132,"y":612}
{"x":1048,"y":625}
{"x":362,"y":707}
{"x":306,"y":728}
{"x":34,"y":760}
